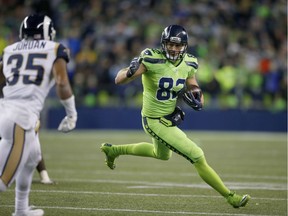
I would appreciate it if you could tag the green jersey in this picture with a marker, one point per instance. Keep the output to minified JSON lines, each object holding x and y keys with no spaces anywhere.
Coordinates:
{"x":162,"y":81}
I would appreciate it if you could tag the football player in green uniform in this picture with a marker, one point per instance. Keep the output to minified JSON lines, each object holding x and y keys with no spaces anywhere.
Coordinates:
{"x":166,"y":74}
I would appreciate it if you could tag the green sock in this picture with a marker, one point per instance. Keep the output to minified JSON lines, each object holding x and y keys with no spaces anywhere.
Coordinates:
{"x":211,"y":177}
{"x":138,"y":149}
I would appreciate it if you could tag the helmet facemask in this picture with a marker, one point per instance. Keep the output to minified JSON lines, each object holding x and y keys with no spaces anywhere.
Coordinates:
{"x":173,"y":55}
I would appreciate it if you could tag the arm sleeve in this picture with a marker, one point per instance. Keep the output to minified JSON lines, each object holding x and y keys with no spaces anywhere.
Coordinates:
{"x":147,"y":55}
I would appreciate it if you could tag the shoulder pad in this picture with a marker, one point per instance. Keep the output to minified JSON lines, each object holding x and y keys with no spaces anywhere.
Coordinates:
{"x":191,"y":60}
{"x":154,"y":61}
{"x":192,"y":64}
{"x":190,"y":55}
{"x":151,"y":52}
{"x":153,"y":56}
{"x":63,"y":52}
{"x":147,"y":52}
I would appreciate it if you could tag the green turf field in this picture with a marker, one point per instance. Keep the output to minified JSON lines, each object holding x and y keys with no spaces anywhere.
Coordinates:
{"x":254,"y":163}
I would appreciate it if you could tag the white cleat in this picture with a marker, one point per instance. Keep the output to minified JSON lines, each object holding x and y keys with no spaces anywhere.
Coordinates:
{"x":30,"y":212}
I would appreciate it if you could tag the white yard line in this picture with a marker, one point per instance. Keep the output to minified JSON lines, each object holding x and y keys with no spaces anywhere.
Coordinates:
{"x":139,"y":194}
{"x":140,"y":211}
{"x":144,"y":194}
{"x":146,"y":184}
{"x":166,"y":173}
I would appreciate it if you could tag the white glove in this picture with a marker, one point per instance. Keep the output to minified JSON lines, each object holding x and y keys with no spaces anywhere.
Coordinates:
{"x":67,"y":124}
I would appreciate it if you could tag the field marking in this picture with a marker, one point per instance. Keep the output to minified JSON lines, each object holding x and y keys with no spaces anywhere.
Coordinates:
{"x":141,"y":194}
{"x":141,"y":211}
{"x":143,"y":184}
{"x":167,"y":173}
{"x":145,"y":195}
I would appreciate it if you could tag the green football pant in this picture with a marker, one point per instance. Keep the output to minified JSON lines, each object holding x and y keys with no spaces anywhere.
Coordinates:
{"x":167,"y":139}
{"x":164,"y":139}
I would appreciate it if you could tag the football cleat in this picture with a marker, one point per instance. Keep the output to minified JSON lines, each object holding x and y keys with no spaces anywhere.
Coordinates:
{"x":30,"y":212}
{"x":238,"y":200}
{"x":110,"y":155}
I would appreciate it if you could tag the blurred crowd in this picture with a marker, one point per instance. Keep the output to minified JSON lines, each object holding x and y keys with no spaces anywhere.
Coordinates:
{"x":241,"y":46}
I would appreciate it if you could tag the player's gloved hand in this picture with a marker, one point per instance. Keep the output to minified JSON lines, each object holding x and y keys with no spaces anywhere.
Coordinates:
{"x":134,"y":66}
{"x":193,"y":100}
{"x":69,"y":121}
{"x":67,"y":124}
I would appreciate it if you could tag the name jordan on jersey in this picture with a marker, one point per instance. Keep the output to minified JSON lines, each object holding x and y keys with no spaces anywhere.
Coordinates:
{"x":30,"y":44}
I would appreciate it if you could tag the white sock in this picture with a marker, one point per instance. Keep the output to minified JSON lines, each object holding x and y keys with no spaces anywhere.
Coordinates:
{"x":21,"y":200}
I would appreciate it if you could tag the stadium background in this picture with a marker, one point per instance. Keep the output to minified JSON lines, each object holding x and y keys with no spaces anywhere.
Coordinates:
{"x":241,"y":46}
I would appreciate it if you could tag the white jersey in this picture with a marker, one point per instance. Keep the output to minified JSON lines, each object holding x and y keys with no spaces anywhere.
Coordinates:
{"x":27,"y":67}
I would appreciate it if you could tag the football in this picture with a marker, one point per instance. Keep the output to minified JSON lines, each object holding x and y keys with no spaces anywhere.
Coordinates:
{"x":192,"y":97}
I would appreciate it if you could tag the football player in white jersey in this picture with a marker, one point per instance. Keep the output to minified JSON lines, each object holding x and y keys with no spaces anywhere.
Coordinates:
{"x":29,"y":68}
